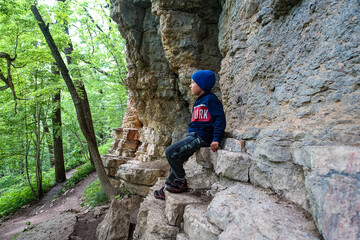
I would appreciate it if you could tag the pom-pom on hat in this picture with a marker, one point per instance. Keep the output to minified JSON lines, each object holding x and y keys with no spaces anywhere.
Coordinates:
{"x":205,"y":79}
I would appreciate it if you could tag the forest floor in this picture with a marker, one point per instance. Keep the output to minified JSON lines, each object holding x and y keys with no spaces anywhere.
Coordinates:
{"x":50,"y":205}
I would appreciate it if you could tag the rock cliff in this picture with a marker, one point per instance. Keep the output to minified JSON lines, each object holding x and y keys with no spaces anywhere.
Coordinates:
{"x":288,"y":75}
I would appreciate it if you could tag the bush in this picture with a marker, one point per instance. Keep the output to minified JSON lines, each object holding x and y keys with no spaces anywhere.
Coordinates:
{"x":73,"y":163}
{"x":79,"y":175}
{"x":104,"y":149}
{"x":94,"y":194}
{"x":20,"y":194}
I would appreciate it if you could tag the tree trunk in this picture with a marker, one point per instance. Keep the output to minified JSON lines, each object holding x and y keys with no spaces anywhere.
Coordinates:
{"x":81,"y":103}
{"x":60,"y":175}
{"x":48,"y":142}
{"x":38,"y":144}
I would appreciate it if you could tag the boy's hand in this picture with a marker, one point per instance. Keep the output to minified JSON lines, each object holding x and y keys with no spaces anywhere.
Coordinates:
{"x":214,"y":146}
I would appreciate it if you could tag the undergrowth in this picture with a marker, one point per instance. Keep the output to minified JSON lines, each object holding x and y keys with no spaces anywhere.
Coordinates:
{"x":20,"y":194}
{"x":80,"y":174}
{"x":94,"y":194}
{"x":74,"y":163}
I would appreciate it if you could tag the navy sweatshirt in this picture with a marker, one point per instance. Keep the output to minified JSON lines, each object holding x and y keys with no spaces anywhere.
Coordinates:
{"x":208,"y":118}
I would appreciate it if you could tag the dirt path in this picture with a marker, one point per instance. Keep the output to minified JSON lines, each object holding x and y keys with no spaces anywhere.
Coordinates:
{"x":47,"y":207}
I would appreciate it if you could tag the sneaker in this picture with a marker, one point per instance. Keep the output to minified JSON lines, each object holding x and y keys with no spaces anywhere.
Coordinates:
{"x":159,"y":194}
{"x":177,"y":186}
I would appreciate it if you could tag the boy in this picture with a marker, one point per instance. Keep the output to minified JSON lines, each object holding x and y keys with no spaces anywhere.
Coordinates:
{"x":206,"y":129}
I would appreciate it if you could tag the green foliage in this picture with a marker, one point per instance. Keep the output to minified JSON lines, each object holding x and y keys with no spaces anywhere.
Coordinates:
{"x":98,"y":60}
{"x":80,"y":174}
{"x":20,"y":194}
{"x":94,"y":194}
{"x":124,"y":192}
{"x":103,"y":149}
{"x":74,"y":162}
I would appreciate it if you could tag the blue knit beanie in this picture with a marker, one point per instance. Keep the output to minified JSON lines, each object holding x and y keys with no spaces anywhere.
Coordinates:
{"x":205,"y":79}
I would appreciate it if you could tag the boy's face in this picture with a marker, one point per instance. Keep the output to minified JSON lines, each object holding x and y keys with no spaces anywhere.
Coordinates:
{"x":195,"y":89}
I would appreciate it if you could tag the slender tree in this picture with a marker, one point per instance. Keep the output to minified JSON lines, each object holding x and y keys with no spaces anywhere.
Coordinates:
{"x":81,"y":103}
{"x":37,"y":114}
{"x":60,"y":175}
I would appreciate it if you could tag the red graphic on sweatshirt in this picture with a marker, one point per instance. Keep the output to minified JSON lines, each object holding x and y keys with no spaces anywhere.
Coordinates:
{"x":201,"y":114}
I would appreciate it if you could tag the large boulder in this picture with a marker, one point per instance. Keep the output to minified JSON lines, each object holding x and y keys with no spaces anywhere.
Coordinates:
{"x":253,"y":213}
{"x":116,"y":224}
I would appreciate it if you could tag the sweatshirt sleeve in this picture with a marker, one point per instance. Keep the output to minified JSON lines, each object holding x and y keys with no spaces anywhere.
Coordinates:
{"x":216,"y":112}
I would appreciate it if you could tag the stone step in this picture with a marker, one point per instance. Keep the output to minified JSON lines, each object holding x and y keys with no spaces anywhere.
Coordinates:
{"x":151,"y":220}
{"x":112,"y":162}
{"x":239,"y":211}
{"x":175,"y":205}
{"x":137,"y":172}
{"x":138,"y":176}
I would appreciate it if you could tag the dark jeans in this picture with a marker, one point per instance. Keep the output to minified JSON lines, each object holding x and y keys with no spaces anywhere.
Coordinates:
{"x":178,"y":153}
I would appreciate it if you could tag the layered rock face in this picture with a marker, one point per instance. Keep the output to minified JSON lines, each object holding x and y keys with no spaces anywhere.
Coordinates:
{"x":166,"y":42}
{"x":288,"y":74}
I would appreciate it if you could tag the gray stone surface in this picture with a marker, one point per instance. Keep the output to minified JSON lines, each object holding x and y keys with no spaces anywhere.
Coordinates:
{"x":203,"y":157}
{"x":139,"y":189}
{"x":175,"y":205}
{"x":288,"y":74}
{"x":282,"y":7}
{"x":232,"y":165}
{"x":112,"y":160}
{"x":272,"y":150}
{"x":229,"y":164}
{"x":333,"y":186}
{"x":58,"y":227}
{"x":196,"y":225}
{"x":197,"y":176}
{"x":234,"y":145}
{"x":286,"y":179}
{"x":252,"y":213}
{"x":136,"y":172}
{"x":182,"y":236}
{"x":151,"y":220}
{"x":116,"y":223}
